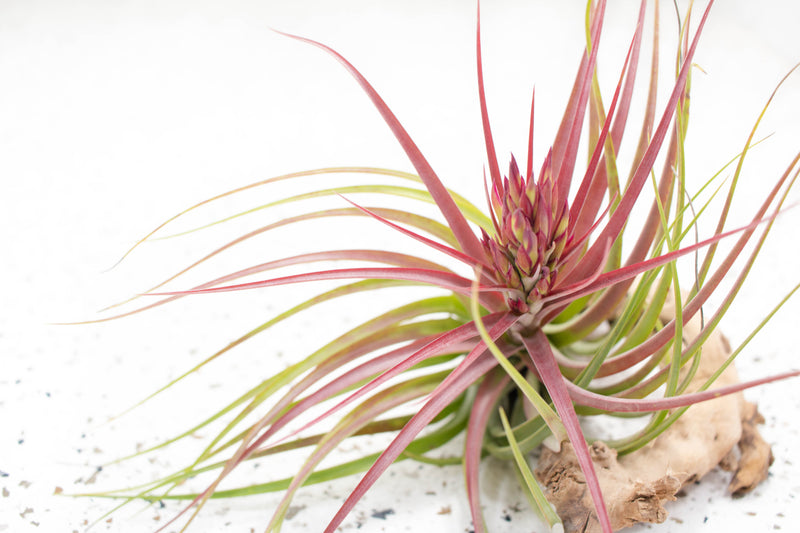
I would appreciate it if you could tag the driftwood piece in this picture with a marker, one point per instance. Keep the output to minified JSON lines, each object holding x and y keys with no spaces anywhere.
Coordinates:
{"x":637,"y":485}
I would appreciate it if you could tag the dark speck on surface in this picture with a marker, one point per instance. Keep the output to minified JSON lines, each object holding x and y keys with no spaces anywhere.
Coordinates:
{"x":382,"y":514}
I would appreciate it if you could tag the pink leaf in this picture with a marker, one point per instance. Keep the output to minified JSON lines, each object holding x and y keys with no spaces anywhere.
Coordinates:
{"x":620,"y":216}
{"x":455,"y":219}
{"x":445,"y":280}
{"x":582,"y":396}
{"x":491,"y":154}
{"x":423,"y":417}
{"x":482,"y":407}
{"x":538,"y":347}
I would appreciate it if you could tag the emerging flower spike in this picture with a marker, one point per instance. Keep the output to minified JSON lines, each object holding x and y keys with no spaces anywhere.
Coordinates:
{"x":531,"y":232}
{"x":553,"y":304}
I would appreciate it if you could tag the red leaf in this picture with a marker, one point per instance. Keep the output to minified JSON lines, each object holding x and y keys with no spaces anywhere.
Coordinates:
{"x":423,"y":417}
{"x":455,"y":219}
{"x":539,"y":349}
{"x":582,"y":396}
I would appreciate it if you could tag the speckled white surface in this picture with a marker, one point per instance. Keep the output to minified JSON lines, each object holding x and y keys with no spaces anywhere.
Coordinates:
{"x":115,"y":115}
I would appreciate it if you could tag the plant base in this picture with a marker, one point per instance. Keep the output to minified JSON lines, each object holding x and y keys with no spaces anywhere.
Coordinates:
{"x":636,"y":486}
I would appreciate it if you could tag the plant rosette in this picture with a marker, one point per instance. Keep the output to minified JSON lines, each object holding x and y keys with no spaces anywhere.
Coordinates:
{"x":556,"y":305}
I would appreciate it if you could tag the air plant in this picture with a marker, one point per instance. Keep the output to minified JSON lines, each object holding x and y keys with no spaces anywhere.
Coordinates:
{"x":555,"y":302}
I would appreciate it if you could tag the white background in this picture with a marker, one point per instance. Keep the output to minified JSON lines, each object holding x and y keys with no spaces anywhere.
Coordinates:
{"x":116,"y":115}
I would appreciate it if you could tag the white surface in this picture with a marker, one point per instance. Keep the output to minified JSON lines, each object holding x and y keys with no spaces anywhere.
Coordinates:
{"x":116,"y":115}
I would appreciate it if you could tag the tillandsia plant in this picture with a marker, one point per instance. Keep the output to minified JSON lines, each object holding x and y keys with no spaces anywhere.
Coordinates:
{"x":560,"y":319}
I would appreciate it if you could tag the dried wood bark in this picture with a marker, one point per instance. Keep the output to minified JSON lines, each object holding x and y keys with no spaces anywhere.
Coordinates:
{"x":636,"y":486}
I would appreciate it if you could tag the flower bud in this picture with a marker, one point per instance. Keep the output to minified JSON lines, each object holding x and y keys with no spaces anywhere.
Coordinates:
{"x":543,"y":285}
{"x":523,"y":262}
{"x":558,"y":247}
{"x":519,"y":225}
{"x":498,"y":257}
{"x":542,"y":220}
{"x":561,"y":228}
{"x":545,"y":182}
{"x":516,"y":186}
{"x":531,"y":194}
{"x":518,"y":305}
{"x":497,"y":203}
{"x":530,"y":247}
{"x":512,"y":278}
